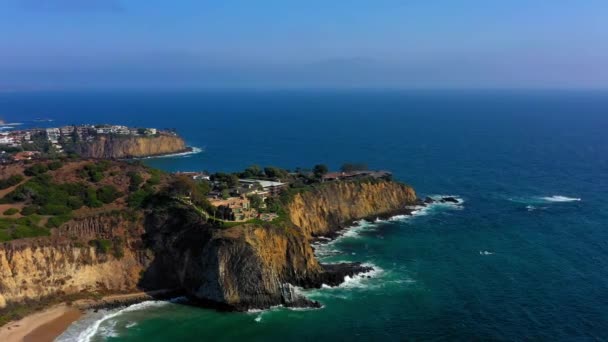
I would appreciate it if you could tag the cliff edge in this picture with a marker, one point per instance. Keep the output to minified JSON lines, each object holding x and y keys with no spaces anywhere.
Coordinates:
{"x":163,"y":243}
{"x":120,"y":147}
{"x":327,"y":208}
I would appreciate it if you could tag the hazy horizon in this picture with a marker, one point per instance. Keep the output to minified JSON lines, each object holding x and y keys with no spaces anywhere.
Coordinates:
{"x":112,"y":44}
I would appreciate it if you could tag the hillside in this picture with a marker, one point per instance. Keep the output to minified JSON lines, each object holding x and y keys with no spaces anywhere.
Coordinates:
{"x":88,"y":228}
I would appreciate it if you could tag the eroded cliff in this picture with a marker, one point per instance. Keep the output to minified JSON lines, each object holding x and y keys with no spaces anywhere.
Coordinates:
{"x":170,"y":245}
{"x":65,"y":264}
{"x":107,"y":146}
{"x":327,"y":208}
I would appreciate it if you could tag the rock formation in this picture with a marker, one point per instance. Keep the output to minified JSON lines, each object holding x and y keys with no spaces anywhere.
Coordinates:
{"x":117,"y":147}
{"x":170,"y":246}
{"x":330,"y":206}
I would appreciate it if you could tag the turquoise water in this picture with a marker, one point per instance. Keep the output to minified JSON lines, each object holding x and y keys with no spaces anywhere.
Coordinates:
{"x":524,"y":256}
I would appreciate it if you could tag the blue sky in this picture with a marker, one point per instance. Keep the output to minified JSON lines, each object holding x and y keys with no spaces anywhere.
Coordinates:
{"x":313,"y":43}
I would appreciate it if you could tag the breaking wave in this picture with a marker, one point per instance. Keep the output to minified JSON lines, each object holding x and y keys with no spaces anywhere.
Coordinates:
{"x":559,"y":198}
{"x":85,"y":329}
{"x":360,"y":280}
{"x":195,"y":150}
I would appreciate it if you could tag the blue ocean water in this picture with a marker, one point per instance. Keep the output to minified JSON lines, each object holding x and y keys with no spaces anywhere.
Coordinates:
{"x":524,"y":257}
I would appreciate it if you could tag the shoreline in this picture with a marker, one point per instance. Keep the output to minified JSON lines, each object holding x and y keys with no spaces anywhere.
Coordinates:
{"x":50,"y":323}
{"x":43,"y":325}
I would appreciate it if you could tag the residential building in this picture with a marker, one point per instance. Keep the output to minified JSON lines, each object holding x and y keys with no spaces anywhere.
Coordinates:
{"x":234,"y":209}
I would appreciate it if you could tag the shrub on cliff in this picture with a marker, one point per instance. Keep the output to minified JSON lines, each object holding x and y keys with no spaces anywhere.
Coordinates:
{"x":11,"y":211}
{"x":57,"y":221}
{"x":135,"y":180}
{"x":108,"y":194}
{"x":101,"y":245}
{"x":36,"y":169}
{"x":95,"y":172}
{"x":55,"y":165}
{"x":11,"y":181}
{"x":91,"y":199}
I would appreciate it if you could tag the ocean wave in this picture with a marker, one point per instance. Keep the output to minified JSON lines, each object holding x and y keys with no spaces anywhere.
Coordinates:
{"x":360,"y":280}
{"x":559,"y":198}
{"x":195,"y":150}
{"x":485,"y":253}
{"x":87,"y":328}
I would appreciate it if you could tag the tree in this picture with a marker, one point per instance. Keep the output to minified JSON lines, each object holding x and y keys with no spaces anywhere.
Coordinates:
{"x":256,"y":201}
{"x":351,"y":167}
{"x":275,"y":172}
{"x":252,"y":171}
{"x":319,"y":170}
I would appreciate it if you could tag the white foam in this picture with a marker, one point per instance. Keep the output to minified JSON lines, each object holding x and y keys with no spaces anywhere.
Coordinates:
{"x":559,"y":198}
{"x":258,"y":319}
{"x":358,"y":280}
{"x":530,"y":207}
{"x":485,"y":253}
{"x":195,"y":150}
{"x":93,"y":327}
{"x":130,"y":325}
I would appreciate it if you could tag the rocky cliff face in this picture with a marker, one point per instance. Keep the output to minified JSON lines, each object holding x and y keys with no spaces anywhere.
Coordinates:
{"x":330,"y":206}
{"x":131,"y":147}
{"x":242,"y":267}
{"x":64,"y":264}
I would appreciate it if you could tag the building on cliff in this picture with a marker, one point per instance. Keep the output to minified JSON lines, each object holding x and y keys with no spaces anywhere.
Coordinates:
{"x":234,"y":209}
{"x":268,"y":187}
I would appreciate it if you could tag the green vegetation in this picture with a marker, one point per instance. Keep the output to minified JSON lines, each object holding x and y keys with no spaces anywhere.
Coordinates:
{"x":95,"y":172}
{"x":11,"y":211}
{"x":256,"y":201}
{"x":55,"y":165}
{"x":11,"y":181}
{"x":43,"y":196}
{"x":351,"y":167}
{"x":23,"y":227}
{"x":135,"y":180}
{"x":108,"y":194}
{"x":320,"y":170}
{"x":104,"y":246}
{"x":57,"y":221}
{"x":36,"y":169}
{"x":155,"y":176}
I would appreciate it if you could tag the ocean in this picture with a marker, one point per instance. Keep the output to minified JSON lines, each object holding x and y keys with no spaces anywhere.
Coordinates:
{"x":524,"y":256}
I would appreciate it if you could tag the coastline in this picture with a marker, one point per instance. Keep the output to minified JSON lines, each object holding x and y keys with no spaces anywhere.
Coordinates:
{"x":50,"y":323}
{"x":43,"y":326}
{"x":188,"y":151}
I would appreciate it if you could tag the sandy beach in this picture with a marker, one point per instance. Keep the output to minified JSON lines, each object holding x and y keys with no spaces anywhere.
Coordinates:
{"x":48,"y":324}
{"x":41,"y":326}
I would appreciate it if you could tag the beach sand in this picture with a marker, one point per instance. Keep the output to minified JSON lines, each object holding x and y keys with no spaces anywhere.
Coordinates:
{"x":41,"y":326}
{"x":48,"y":324}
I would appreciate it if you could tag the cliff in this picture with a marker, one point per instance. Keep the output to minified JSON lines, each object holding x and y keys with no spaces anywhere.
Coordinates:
{"x":331,"y":205}
{"x":167,"y":244}
{"x":117,"y":147}
{"x":33,"y":269}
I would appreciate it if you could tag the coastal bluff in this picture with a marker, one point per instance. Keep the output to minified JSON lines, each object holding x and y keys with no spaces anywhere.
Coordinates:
{"x":326,"y":209}
{"x":167,"y":244}
{"x":121,"y":147}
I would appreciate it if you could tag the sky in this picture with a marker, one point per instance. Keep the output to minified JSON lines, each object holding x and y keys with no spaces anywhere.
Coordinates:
{"x":73,"y":44}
